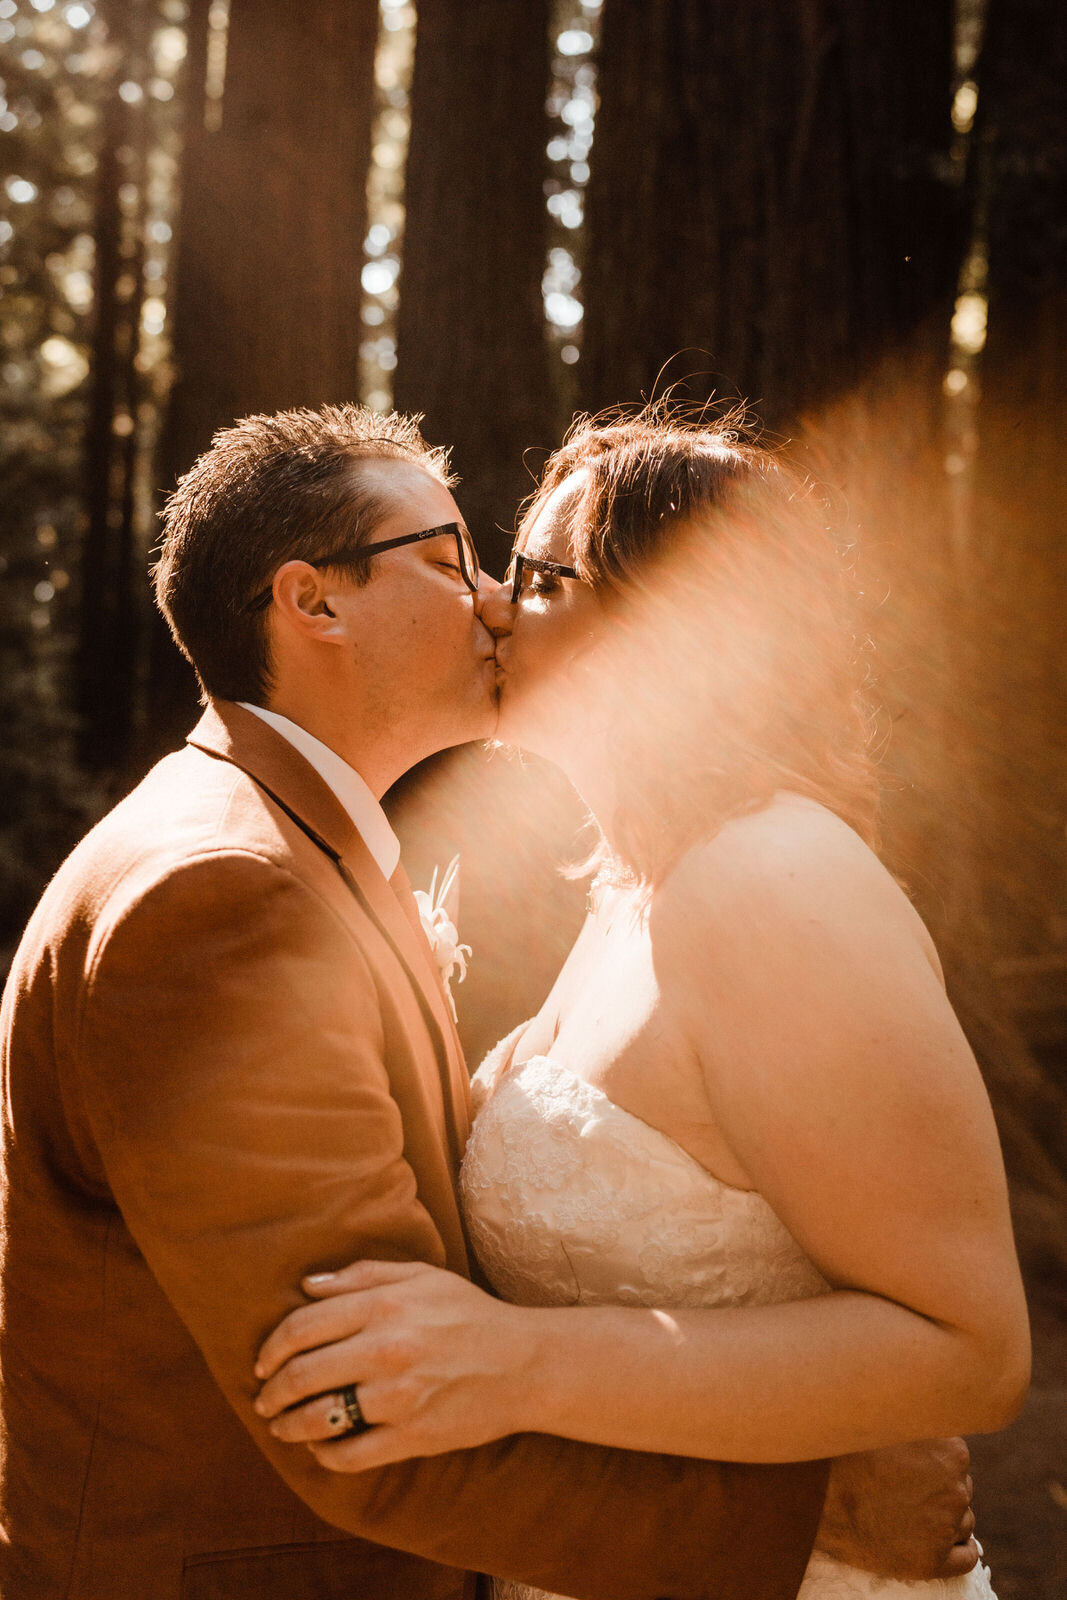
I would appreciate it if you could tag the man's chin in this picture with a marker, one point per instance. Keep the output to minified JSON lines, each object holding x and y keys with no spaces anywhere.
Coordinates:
{"x":490,"y":719}
{"x":512,"y":720}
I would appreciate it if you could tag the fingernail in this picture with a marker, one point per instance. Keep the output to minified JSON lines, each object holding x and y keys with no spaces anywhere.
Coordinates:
{"x":275,"y":1429}
{"x":260,"y":1370}
{"x":320,"y":1277}
{"x":257,"y":1405}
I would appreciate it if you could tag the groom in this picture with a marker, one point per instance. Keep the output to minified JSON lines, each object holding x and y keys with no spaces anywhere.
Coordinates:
{"x":229,"y":1061}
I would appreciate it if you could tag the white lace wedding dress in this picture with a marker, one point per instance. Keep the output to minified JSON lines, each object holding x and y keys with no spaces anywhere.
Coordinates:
{"x":569,"y":1199}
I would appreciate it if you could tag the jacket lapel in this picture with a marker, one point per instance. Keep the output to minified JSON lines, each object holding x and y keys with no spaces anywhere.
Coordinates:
{"x":397,"y":915}
{"x":233,"y":734}
{"x":458,"y":1077}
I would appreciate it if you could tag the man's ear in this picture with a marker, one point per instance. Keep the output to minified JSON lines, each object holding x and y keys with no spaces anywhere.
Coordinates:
{"x":300,"y":598}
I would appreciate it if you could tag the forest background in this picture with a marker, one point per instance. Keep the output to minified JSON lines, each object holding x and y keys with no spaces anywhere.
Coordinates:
{"x":497,"y":212}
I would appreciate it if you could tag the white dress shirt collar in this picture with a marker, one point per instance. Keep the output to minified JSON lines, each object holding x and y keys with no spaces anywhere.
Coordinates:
{"x":346,"y":783}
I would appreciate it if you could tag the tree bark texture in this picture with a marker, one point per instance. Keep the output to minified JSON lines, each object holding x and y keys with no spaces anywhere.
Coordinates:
{"x":272,"y":220}
{"x":767,"y":205}
{"x":471,"y":344}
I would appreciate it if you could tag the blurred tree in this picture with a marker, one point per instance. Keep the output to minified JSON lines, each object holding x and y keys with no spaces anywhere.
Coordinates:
{"x":266,"y":313}
{"x":1018,"y":551}
{"x":768,"y":201}
{"x":110,"y":612}
{"x":1016,"y":576}
{"x":471,"y":341}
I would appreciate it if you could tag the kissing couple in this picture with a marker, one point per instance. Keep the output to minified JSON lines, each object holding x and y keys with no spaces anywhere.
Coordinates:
{"x":733,"y":1199}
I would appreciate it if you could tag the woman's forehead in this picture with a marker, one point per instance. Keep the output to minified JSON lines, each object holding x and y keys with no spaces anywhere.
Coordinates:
{"x":548,"y":533}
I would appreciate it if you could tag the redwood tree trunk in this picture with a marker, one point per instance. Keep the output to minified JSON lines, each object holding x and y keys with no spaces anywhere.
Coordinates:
{"x":273,"y":218}
{"x":1018,"y":579}
{"x":471,"y":346}
{"x":765,"y":205}
{"x":1019,"y":550}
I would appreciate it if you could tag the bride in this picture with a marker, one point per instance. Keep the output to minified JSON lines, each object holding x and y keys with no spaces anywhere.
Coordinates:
{"x":747,"y":1089}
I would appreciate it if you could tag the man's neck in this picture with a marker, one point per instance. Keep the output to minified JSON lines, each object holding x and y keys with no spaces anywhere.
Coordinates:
{"x":374,"y":766}
{"x":348,"y":786}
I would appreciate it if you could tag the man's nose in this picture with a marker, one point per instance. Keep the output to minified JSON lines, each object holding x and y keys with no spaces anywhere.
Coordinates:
{"x":492,"y":603}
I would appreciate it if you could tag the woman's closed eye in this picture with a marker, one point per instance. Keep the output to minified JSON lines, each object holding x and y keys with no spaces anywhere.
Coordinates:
{"x":542,"y":583}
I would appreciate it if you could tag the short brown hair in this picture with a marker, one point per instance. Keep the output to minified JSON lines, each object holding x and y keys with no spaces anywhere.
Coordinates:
{"x":740,"y":666}
{"x":270,"y":489}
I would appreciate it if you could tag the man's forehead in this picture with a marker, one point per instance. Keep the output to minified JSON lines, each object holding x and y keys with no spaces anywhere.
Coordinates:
{"x":401,"y":492}
{"x":393,"y":475}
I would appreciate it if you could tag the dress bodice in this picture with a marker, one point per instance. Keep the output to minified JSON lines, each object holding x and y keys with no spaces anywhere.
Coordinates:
{"x":570,"y":1200}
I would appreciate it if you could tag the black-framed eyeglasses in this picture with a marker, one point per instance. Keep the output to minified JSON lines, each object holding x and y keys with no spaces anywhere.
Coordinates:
{"x":466,"y":556}
{"x":521,"y":564}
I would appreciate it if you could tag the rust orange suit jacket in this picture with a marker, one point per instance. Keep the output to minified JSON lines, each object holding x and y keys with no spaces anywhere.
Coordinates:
{"x":228,"y":1062}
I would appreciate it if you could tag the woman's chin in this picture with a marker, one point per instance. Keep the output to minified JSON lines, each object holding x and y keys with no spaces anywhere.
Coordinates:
{"x":521,"y":726}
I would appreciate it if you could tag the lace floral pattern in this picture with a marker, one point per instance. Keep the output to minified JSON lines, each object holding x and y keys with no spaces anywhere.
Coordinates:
{"x":571,"y":1200}
{"x":827,"y":1579}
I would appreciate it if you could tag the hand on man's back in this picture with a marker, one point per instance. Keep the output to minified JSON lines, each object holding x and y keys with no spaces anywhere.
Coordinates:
{"x":904,"y":1512}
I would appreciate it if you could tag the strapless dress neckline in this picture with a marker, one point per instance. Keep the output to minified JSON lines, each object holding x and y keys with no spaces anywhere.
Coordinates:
{"x":572,"y":1199}
{"x":671,"y":1149}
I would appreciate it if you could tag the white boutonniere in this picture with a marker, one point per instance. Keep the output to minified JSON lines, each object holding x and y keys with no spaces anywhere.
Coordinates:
{"x":435,"y":912}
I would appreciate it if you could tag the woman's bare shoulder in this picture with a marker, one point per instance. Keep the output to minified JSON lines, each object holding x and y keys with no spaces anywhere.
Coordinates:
{"x":789,"y":864}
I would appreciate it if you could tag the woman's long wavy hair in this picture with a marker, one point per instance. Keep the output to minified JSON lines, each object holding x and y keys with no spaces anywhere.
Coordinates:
{"x":734,"y":666}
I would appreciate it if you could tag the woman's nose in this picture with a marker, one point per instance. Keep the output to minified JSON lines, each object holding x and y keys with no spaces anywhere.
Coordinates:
{"x":492,"y":604}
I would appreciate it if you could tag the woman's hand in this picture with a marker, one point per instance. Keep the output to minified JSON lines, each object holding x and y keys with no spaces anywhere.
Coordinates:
{"x":439,"y":1364}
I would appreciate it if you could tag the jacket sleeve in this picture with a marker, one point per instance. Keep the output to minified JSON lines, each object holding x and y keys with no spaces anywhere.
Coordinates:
{"x":231,"y":1059}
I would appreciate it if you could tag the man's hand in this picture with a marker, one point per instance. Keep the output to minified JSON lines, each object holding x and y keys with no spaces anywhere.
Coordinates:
{"x":904,"y":1512}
